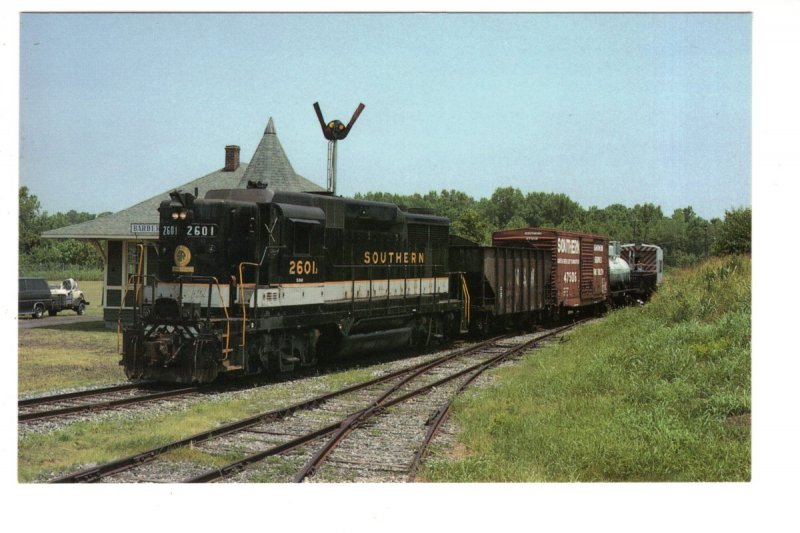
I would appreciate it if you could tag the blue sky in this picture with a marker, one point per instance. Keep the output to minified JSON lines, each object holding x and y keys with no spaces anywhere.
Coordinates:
{"x":606,"y":108}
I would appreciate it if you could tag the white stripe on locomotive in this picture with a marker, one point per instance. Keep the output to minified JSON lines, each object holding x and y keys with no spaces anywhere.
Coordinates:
{"x":294,"y":294}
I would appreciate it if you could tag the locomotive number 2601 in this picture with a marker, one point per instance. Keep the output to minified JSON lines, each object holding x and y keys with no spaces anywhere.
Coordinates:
{"x":192,"y":230}
{"x":300,"y":267}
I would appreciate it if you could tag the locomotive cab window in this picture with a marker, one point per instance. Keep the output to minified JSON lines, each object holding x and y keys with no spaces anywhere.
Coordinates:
{"x":302,"y":238}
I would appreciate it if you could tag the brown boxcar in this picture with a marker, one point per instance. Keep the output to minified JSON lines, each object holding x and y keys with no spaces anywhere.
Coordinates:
{"x":579,"y":277}
{"x":504,"y":284}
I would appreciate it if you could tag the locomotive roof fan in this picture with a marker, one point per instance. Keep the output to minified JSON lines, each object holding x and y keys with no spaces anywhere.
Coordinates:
{"x":335,"y":131}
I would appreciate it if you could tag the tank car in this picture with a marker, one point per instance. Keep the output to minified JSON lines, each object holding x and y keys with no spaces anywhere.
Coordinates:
{"x":253,"y":280}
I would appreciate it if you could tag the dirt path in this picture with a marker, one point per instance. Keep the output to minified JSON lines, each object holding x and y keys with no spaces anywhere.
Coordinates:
{"x":26,"y":322}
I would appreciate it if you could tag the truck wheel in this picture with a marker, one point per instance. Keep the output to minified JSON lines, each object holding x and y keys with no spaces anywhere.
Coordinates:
{"x":52,"y":312}
{"x":81,"y":309}
{"x":38,"y":311}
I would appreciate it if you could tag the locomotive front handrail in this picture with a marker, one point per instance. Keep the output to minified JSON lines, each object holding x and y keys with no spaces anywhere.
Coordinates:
{"x":467,"y":298}
{"x":210,"y":280}
{"x":136,"y":276}
{"x":244,"y":304}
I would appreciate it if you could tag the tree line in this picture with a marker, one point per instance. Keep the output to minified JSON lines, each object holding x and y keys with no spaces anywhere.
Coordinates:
{"x":38,"y":253}
{"x":685,"y":236}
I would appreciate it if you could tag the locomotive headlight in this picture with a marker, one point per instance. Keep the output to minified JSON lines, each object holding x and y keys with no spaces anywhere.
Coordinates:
{"x":182,"y":215}
{"x":175,"y":215}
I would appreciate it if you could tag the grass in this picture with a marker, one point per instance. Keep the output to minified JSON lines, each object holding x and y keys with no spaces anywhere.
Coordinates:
{"x":76,"y":272}
{"x":93,"y":290}
{"x":43,"y":455}
{"x":658,"y":393}
{"x":57,"y":356}
{"x":68,"y":355}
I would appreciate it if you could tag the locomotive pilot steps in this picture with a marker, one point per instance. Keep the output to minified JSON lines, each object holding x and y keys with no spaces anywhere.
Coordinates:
{"x":253,"y":280}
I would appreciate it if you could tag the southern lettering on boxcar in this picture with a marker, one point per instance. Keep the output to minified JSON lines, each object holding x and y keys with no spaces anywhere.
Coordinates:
{"x":579,"y":276}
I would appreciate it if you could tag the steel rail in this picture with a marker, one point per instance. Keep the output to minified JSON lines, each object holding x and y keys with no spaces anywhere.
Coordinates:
{"x":237,"y":466}
{"x":40,"y":415}
{"x":382,"y":403}
{"x":80,"y":394}
{"x":436,"y":421}
{"x":96,"y":473}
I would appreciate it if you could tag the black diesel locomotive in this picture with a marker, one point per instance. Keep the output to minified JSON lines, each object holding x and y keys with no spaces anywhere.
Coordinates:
{"x":255,"y":280}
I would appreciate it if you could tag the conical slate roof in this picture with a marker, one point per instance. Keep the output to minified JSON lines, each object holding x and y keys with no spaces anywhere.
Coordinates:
{"x":269,"y":165}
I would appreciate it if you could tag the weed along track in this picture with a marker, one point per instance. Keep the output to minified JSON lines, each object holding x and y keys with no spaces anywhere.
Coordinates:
{"x":61,"y":405}
{"x":371,"y":431}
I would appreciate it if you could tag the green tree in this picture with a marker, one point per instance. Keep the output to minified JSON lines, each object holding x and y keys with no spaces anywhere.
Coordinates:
{"x":504,"y":204}
{"x":35,"y":250}
{"x":451,"y":204}
{"x":550,"y":210}
{"x":472,"y":225}
{"x":30,"y":221}
{"x":644,"y":217}
{"x":735,"y":233}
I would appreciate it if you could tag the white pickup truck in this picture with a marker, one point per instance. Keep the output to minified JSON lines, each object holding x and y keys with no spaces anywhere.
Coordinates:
{"x":68,"y":296}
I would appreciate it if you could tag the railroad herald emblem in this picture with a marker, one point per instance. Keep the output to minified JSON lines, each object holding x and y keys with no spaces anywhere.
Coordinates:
{"x":182,"y":256}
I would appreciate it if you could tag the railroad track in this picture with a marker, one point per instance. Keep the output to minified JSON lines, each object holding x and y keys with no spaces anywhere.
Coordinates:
{"x":128,"y":394}
{"x":60,"y":405}
{"x":294,"y":443}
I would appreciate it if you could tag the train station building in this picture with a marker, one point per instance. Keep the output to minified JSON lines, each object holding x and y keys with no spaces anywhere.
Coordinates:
{"x":117,"y":237}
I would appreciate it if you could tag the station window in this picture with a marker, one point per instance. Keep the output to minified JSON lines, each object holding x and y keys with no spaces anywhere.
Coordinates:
{"x":133,"y":260}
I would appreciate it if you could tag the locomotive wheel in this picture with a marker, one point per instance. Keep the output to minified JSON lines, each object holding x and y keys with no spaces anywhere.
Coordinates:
{"x":132,"y":370}
{"x":276,"y":353}
{"x":206,"y":368}
{"x":482,"y":326}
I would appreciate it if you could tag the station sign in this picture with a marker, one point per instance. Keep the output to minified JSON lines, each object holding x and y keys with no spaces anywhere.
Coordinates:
{"x":144,"y":227}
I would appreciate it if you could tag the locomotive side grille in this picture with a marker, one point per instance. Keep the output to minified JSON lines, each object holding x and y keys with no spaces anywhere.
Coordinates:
{"x":334,"y":211}
{"x":440,"y":234}
{"x":419,"y":233}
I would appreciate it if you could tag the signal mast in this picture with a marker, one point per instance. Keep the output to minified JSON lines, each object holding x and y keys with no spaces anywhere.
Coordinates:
{"x":335,"y":131}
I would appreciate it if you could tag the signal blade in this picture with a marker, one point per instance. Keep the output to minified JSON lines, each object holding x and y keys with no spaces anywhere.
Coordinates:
{"x":358,"y":111}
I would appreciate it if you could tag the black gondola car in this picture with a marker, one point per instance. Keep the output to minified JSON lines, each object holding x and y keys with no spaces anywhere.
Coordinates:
{"x":505,"y":286}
